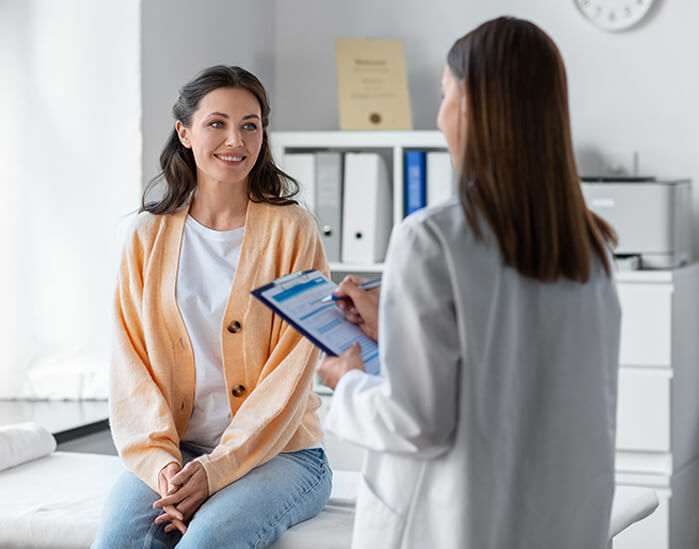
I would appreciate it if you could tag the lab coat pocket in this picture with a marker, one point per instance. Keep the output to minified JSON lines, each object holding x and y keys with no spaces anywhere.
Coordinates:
{"x":375,"y":524}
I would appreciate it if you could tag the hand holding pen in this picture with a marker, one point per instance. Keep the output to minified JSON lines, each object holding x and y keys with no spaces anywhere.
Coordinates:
{"x":364,"y":285}
{"x":359,"y":301}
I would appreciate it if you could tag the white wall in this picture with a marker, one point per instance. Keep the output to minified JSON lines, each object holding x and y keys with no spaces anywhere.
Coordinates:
{"x":635,"y":91}
{"x":76,"y":74}
{"x":180,"y":38}
{"x":306,"y":82}
{"x":69,"y":97}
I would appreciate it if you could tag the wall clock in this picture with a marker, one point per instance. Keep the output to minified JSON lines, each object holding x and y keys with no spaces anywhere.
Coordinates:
{"x":614,"y":15}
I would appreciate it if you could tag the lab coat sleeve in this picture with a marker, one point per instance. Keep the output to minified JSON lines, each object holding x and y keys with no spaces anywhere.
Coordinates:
{"x":412,"y":408}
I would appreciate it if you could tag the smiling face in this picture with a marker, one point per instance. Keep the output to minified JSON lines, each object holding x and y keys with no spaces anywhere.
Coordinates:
{"x":451,"y":119}
{"x":225,"y":135}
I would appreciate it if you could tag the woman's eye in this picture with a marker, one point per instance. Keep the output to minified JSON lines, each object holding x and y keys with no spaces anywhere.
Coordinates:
{"x":216,"y":124}
{"x":250,"y":126}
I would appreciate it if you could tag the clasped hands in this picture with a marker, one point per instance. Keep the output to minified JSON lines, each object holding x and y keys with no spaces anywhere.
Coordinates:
{"x":182,"y":492}
{"x":361,"y":307}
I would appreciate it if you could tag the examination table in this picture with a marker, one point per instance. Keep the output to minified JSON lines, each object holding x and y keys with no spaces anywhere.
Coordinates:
{"x":55,"y":501}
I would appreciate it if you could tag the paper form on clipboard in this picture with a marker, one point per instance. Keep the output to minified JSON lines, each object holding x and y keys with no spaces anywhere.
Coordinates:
{"x":297,"y":298}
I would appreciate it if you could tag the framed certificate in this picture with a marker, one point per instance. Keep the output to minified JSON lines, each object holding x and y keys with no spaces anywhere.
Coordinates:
{"x":372,"y":85}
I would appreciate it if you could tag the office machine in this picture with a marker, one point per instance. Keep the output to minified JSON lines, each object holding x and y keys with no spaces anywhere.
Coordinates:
{"x":652,"y":217}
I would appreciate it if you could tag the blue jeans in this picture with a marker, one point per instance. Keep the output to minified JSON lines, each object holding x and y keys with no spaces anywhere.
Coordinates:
{"x":251,"y":512}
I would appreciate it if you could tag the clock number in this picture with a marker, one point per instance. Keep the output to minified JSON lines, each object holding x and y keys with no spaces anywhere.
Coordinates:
{"x":614,"y":15}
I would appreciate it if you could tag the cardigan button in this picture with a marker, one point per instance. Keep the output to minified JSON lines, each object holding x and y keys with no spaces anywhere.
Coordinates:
{"x":238,"y":391}
{"x":234,"y":326}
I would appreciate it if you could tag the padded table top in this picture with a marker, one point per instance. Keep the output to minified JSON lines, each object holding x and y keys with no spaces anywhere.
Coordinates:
{"x":56,"y":502}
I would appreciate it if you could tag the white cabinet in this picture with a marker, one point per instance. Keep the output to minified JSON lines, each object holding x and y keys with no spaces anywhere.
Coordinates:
{"x":657,"y":414}
{"x":643,"y":411}
{"x":646,"y":328}
{"x":390,"y":145}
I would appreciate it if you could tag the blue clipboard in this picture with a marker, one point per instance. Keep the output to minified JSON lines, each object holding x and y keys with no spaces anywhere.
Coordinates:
{"x":298,"y":298}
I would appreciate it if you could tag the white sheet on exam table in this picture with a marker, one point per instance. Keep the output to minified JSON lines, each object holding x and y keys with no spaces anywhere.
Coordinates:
{"x":56,"y":502}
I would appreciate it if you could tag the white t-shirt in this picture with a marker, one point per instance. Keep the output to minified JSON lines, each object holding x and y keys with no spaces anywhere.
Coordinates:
{"x":208,"y":261}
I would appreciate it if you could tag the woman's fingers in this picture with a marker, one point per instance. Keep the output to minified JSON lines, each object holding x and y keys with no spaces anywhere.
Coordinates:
{"x":176,"y":525}
{"x":188,"y":506}
{"x":349,"y":311}
{"x":347,"y":290}
{"x":185,"y":509}
{"x":195,"y":485}
{"x":360,"y":306}
{"x":332,"y":368}
{"x":352,"y":279}
{"x":348,"y":286}
{"x":173,"y":512}
{"x":183,"y":476}
{"x":170,"y":501}
{"x":164,"y":486}
{"x":165,"y":517}
{"x":191,"y":491}
{"x":171,"y":523}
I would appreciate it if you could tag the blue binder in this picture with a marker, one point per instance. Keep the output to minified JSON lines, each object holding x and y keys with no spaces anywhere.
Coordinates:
{"x":415,"y":181}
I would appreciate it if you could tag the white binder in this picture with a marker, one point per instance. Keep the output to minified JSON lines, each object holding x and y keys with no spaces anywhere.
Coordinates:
{"x":328,"y":200}
{"x":367,"y":207}
{"x":440,"y":177}
{"x":302,"y":167}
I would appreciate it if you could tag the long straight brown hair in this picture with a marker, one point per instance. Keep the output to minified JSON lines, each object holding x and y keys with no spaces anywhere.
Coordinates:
{"x":518,"y":171}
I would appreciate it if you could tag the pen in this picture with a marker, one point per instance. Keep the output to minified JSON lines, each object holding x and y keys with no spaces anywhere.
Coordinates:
{"x":366,"y":285}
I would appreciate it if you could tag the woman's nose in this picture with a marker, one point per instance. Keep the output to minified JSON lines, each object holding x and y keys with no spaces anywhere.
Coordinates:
{"x":233,"y":138}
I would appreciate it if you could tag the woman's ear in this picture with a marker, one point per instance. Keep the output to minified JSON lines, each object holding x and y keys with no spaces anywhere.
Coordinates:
{"x":462,"y":101}
{"x":183,"y":134}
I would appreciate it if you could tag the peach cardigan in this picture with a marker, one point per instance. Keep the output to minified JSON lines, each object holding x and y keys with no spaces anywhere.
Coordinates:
{"x":267,"y":365}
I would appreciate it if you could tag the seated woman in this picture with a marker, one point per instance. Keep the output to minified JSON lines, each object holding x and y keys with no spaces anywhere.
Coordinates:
{"x":211,"y":401}
{"x":492,"y":425}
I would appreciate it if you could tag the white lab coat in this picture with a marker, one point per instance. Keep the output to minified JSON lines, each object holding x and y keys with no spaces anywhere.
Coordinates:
{"x":493,"y":424}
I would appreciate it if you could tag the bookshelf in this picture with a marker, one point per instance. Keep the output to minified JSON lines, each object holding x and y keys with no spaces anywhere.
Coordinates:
{"x":390,"y":145}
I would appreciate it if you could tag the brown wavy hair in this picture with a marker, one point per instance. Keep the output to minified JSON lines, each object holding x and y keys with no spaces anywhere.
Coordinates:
{"x":266,"y":182}
{"x":518,"y":171}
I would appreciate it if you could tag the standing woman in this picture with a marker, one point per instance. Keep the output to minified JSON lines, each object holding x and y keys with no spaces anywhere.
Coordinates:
{"x":492,"y":425}
{"x":211,"y":401}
